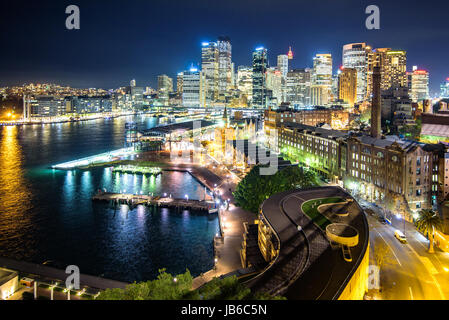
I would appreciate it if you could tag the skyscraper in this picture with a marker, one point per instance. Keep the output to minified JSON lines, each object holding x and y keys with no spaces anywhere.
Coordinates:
{"x":419,"y":85}
{"x":275,"y":83}
{"x":394,"y":69}
{"x":164,"y":83}
{"x":298,"y":87}
{"x":132,"y":83}
{"x":321,"y":79}
{"x":348,"y":85}
{"x":164,"y":87}
{"x":224,"y":66}
{"x":245,"y":81}
{"x":260,"y":65}
{"x":193,"y":89}
{"x":357,"y":56}
{"x":209,"y":68}
{"x":283,"y":65}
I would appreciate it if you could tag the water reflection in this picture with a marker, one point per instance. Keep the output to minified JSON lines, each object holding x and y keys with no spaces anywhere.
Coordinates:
{"x":15,"y":196}
{"x":48,"y":214}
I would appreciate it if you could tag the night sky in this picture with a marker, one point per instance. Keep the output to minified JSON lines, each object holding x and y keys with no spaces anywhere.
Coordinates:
{"x":122,"y":40}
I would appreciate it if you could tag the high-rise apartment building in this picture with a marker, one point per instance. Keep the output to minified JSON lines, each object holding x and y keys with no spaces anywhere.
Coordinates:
{"x":348,"y":85}
{"x":321,"y":86}
{"x":209,"y":68}
{"x":260,"y":65}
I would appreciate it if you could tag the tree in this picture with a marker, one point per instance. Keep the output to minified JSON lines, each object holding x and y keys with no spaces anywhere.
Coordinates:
{"x":256,"y":188}
{"x":165,"y":287}
{"x":427,"y":222}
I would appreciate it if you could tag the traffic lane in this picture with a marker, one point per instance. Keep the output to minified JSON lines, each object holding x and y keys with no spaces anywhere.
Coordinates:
{"x":410,"y":274}
{"x":436,"y":264}
{"x":394,"y":280}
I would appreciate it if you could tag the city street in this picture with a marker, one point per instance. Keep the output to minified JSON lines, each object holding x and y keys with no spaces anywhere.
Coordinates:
{"x":412,"y":273}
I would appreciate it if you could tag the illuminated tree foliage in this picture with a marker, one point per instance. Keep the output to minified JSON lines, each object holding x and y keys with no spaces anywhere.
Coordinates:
{"x":167,"y":287}
{"x":427,"y":222}
{"x":255,"y":188}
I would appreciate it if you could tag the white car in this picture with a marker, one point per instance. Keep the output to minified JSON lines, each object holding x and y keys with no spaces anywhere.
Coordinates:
{"x":400,"y":236}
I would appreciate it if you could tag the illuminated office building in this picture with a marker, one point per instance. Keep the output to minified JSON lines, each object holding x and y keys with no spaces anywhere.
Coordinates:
{"x":245,"y":81}
{"x":283,"y":64}
{"x":224,"y":66}
{"x":357,"y":56}
{"x":419,"y":85}
{"x":193,"y":88}
{"x":347,"y":85}
{"x":260,"y":65}
{"x":209,"y":68}
{"x":275,"y":84}
{"x":321,"y":86}
{"x":394,"y":69}
{"x":298,"y":87}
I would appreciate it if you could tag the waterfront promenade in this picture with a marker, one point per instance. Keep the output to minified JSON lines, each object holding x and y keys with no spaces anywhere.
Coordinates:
{"x":42,"y":272}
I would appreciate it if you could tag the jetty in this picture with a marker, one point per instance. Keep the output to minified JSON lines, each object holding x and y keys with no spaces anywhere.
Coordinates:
{"x":138,"y":169}
{"x":165,"y":202}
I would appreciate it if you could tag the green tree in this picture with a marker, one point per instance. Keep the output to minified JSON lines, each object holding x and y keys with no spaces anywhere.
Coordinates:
{"x":427,"y":222}
{"x":165,"y":287}
{"x":255,"y":188}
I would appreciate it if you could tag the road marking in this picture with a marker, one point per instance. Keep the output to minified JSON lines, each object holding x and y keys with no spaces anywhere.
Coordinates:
{"x":411,"y":293}
{"x":390,"y":248}
{"x":431,"y":269}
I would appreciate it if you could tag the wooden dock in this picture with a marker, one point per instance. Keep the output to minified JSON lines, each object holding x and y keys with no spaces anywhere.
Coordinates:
{"x":135,"y":200}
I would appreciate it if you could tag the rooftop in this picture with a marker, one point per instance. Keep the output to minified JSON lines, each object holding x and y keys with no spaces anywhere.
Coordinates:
{"x":308,"y":266}
{"x":188,"y":125}
{"x":326,"y":133}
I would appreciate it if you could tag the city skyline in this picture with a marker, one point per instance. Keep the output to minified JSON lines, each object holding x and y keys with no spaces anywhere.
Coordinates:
{"x":106,"y":55}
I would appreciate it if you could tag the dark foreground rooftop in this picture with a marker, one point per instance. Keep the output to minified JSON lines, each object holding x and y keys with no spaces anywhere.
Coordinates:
{"x":308,"y":266}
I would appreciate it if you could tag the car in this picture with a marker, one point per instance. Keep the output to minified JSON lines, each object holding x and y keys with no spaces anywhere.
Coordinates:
{"x":400,"y":236}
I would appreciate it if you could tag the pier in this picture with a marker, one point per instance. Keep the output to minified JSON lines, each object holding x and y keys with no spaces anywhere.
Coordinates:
{"x":135,"y":200}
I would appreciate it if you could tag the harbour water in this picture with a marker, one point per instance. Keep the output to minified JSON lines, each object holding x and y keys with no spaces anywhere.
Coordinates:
{"x":48,"y":215}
